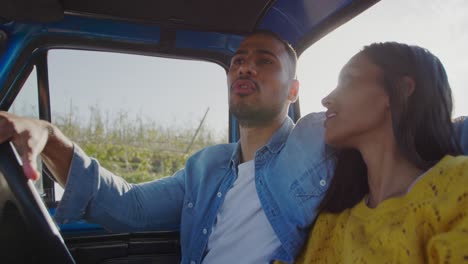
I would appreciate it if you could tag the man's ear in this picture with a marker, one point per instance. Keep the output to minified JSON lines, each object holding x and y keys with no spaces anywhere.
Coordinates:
{"x":293,"y":91}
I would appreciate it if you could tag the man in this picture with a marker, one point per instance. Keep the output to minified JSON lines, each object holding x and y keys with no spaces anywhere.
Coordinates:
{"x":250,"y":202}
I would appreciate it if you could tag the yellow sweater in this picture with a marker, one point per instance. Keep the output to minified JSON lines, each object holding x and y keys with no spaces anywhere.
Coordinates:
{"x":427,"y":225}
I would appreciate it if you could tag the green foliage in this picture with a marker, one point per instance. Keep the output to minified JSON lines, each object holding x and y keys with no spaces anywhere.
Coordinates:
{"x":136,"y":150}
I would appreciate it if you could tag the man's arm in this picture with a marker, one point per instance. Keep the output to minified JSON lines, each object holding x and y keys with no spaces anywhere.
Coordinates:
{"x":57,"y":154}
{"x":33,"y":137}
{"x":97,"y":195}
{"x":92,"y":192}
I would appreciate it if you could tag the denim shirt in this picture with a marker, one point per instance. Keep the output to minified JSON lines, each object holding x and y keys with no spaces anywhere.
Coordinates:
{"x":291,"y":177}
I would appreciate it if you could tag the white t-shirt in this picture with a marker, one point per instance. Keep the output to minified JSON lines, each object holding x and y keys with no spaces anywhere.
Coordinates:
{"x":242,"y":233}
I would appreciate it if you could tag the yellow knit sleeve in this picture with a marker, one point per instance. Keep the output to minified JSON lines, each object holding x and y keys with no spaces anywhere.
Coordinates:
{"x":450,"y":243}
{"x":450,"y":246}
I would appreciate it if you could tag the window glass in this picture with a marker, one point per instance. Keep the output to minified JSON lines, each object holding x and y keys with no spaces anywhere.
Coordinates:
{"x":140,"y":116}
{"x":26,"y":104}
{"x":439,"y":26}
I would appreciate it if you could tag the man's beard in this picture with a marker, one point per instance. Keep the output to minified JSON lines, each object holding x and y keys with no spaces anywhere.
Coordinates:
{"x":254,"y":116}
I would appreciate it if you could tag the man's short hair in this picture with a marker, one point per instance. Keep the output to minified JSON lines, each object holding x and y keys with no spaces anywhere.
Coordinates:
{"x":292,"y":55}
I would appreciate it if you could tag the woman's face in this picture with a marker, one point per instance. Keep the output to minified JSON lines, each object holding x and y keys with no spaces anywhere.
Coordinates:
{"x":358,"y":109}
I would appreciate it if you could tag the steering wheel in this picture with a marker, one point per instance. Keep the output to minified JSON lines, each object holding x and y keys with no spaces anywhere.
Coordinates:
{"x":27,"y":232}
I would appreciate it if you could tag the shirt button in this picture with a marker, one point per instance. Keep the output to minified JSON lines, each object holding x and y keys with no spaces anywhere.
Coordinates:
{"x":205,"y":231}
{"x":323,"y":183}
{"x":219,"y":194}
{"x":190,"y":205}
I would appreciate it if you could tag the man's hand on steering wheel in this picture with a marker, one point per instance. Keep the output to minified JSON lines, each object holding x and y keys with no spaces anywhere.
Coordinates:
{"x":29,"y":136}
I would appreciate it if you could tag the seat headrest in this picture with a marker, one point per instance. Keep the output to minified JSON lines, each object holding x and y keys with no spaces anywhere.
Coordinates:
{"x":461,"y":127}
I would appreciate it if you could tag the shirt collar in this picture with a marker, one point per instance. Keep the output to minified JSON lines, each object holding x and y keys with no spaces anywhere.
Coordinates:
{"x":275,"y":143}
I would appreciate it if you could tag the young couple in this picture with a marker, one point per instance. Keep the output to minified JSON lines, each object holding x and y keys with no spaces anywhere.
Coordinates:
{"x":389,"y":185}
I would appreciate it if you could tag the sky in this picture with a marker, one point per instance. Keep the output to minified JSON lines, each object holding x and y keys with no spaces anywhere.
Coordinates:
{"x":154,"y":89}
{"x":437,"y":25}
{"x":146,"y":87}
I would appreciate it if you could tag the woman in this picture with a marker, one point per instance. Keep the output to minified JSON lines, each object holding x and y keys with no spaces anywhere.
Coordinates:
{"x":399,"y":194}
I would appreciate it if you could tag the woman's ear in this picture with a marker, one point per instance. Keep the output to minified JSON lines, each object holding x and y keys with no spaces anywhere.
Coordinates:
{"x":407,"y":85}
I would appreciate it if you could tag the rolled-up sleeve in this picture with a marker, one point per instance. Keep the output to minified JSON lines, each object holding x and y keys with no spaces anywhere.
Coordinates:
{"x":96,"y":195}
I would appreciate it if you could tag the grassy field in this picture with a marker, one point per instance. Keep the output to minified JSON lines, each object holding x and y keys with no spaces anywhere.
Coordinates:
{"x":137,"y":150}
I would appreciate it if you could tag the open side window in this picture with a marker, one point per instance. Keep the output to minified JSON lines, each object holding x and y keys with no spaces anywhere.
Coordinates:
{"x":140,"y":116}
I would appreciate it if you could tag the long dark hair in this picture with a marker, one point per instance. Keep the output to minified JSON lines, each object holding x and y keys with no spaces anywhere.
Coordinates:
{"x":421,"y":122}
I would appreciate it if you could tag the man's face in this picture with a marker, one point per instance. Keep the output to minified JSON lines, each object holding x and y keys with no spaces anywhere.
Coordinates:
{"x":259,"y":81}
